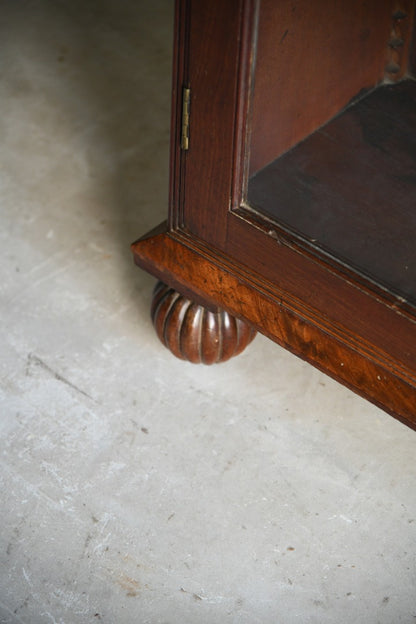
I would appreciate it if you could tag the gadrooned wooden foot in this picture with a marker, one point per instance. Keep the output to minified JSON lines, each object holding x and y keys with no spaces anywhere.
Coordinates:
{"x":194,"y":333}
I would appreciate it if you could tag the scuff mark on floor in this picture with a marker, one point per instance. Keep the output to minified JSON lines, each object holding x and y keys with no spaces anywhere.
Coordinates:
{"x":33,"y":359}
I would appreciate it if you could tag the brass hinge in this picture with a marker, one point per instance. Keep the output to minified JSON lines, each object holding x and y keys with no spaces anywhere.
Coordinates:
{"x":186,"y":101}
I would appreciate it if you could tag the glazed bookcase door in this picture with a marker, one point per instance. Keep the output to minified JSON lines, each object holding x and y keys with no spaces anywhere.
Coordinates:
{"x":221,"y":251}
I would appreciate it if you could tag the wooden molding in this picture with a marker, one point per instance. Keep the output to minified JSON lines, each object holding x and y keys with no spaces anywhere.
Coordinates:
{"x":179,"y":261}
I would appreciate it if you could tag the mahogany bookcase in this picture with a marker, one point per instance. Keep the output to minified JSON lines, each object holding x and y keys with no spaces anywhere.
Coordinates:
{"x":293,"y":189}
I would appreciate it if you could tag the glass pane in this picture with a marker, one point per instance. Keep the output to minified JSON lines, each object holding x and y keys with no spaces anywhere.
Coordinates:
{"x":333,"y":147}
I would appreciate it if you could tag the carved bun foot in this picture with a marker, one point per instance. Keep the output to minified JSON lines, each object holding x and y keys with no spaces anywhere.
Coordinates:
{"x":194,"y":333}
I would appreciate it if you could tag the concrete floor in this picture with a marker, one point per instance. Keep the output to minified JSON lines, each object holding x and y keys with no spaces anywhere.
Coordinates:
{"x":137,"y":488}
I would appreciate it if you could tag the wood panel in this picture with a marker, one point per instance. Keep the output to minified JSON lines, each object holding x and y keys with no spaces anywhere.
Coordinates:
{"x":329,"y":296}
{"x":213,"y":80}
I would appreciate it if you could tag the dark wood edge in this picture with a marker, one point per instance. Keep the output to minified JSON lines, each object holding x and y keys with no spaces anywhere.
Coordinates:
{"x":195,"y":272}
{"x":180,"y":79}
{"x":221,"y":153}
{"x":277,"y":294}
{"x":302,"y":246}
{"x":412,"y":48}
{"x":242,"y":129}
{"x":143,"y":250}
{"x":338,"y":303}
